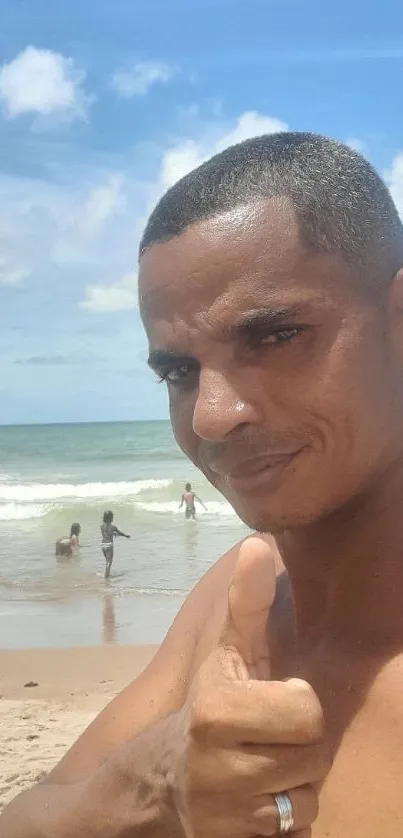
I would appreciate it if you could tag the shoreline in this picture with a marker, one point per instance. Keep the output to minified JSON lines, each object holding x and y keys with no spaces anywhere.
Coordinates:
{"x":38,"y":724}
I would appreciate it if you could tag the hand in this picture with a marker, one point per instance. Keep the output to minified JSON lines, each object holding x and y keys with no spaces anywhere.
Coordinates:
{"x":247,"y":737}
{"x":128,"y":536}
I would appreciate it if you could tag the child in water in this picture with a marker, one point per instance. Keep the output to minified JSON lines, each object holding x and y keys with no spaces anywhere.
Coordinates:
{"x":188,"y":498}
{"x":109,"y":532}
{"x":69,"y":545}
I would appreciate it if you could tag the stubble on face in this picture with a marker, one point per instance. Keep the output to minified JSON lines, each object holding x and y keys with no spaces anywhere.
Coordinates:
{"x":237,"y":312}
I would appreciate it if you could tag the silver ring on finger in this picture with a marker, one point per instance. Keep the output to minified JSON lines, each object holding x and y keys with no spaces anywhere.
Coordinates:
{"x":285,"y":813}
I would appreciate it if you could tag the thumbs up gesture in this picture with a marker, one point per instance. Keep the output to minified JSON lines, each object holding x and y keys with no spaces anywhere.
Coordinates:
{"x":249,"y":738}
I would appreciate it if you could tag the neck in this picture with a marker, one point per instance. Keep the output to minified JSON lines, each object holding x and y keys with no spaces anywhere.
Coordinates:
{"x":346,"y":572}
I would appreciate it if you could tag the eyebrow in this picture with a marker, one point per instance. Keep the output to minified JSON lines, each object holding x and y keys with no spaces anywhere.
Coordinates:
{"x":158,"y":359}
{"x":250,"y":325}
{"x":256,"y":321}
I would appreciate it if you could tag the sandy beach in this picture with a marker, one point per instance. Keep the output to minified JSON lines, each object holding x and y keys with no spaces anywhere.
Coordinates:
{"x":39,"y":723}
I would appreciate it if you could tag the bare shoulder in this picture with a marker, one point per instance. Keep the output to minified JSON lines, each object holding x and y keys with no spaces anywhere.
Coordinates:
{"x":162,"y":688}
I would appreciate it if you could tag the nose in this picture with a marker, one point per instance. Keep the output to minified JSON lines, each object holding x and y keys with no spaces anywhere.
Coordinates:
{"x":220,"y":407}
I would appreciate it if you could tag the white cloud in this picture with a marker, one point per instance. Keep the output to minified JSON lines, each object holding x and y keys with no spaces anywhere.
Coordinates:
{"x":185,"y":156}
{"x":140,"y":76}
{"x":80,"y":220}
{"x":42,"y":82}
{"x":356,"y":144}
{"x":394,"y":180}
{"x":176,"y":162}
{"x":180,"y":160}
{"x":120,"y":296}
{"x":101,"y":203}
{"x":11,"y":273}
{"x":28,"y":212}
{"x":83,"y":227}
{"x":250,"y":124}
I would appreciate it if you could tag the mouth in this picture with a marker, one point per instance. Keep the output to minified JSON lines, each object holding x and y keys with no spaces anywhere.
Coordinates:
{"x":257,"y":474}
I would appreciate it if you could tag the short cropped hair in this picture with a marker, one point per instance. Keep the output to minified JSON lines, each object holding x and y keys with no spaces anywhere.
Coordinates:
{"x":341,"y":203}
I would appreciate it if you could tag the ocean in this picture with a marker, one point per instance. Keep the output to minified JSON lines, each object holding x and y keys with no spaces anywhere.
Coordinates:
{"x":54,"y":475}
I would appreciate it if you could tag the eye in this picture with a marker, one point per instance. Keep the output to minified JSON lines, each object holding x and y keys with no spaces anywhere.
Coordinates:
{"x":277,"y":336}
{"x":178,"y":374}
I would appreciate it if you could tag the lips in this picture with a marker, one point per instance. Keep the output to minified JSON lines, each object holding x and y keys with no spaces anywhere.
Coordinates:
{"x":254,"y":473}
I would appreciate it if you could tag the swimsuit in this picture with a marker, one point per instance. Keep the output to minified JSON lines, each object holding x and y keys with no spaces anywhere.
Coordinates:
{"x":108,"y":531}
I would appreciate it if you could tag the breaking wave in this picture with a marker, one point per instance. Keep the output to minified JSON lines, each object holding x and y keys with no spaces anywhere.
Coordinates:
{"x":55,"y":492}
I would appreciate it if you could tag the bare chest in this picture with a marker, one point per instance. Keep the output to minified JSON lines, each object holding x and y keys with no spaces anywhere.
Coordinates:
{"x":363,"y":793}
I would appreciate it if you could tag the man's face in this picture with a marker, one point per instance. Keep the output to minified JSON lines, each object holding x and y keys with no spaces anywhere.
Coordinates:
{"x":281,"y":374}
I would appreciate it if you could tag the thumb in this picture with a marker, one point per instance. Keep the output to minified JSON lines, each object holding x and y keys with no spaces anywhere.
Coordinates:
{"x":251,"y":595}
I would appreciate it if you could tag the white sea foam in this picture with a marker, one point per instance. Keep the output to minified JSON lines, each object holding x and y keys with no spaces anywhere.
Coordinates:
{"x":5,"y":478}
{"x":21,"y":511}
{"x":175,"y":592}
{"x":171,"y":507}
{"x":54,"y":492}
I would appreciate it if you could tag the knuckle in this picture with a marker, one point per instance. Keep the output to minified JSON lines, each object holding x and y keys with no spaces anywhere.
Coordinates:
{"x":315,"y":728}
{"x":201,"y":718}
{"x":206,"y":722}
{"x":311,"y":805}
{"x":248,"y":770}
{"x":311,"y":764}
{"x":311,"y":710}
{"x":305,"y":804}
{"x":211,"y":716}
{"x":324,"y":763}
{"x":290,"y":766}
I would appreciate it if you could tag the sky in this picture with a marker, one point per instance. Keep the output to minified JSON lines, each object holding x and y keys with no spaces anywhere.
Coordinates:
{"x":103,"y":105}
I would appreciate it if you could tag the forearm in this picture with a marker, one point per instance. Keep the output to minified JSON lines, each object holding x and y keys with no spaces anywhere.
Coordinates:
{"x":129,"y":795}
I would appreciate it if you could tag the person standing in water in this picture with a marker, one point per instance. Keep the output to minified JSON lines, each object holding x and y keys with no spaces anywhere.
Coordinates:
{"x":188,"y":498}
{"x":70,"y":544}
{"x":109,"y":532}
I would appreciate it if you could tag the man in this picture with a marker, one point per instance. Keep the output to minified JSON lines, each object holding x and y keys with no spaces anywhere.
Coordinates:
{"x":271,"y":290}
{"x":188,"y":498}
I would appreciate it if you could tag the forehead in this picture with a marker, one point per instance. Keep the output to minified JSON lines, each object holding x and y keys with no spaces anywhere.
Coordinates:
{"x":237,"y":261}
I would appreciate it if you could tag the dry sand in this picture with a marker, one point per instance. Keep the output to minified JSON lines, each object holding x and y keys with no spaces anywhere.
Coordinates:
{"x":38,"y":724}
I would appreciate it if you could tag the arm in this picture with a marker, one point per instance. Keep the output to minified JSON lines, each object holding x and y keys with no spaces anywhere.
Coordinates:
{"x":118,"y":532}
{"x":119,"y":768}
{"x":182,"y":502}
{"x":128,"y":794}
{"x":199,"y":500}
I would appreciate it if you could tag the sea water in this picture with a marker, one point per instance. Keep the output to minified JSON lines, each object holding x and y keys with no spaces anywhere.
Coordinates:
{"x":51,"y":476}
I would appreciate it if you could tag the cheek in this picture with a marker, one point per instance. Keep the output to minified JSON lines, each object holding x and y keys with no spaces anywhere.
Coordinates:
{"x":181,"y":409}
{"x":354,"y":410}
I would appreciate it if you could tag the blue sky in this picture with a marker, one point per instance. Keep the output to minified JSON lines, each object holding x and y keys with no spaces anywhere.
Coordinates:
{"x":105,"y":104}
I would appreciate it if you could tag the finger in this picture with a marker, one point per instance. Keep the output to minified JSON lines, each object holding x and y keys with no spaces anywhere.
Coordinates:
{"x":250,"y":598}
{"x":259,"y":712}
{"x":259,"y":817}
{"x":286,"y":766}
{"x":260,"y":770}
{"x":304,"y":802}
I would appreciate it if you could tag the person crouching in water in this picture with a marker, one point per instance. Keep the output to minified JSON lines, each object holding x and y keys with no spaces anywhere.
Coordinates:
{"x":109,"y":532}
{"x":69,"y":545}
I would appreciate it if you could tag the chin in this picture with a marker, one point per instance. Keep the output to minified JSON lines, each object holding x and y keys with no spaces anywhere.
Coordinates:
{"x":275,"y":514}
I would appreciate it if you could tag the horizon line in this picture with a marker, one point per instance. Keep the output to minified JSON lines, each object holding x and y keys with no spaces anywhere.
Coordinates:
{"x":77,"y":422}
